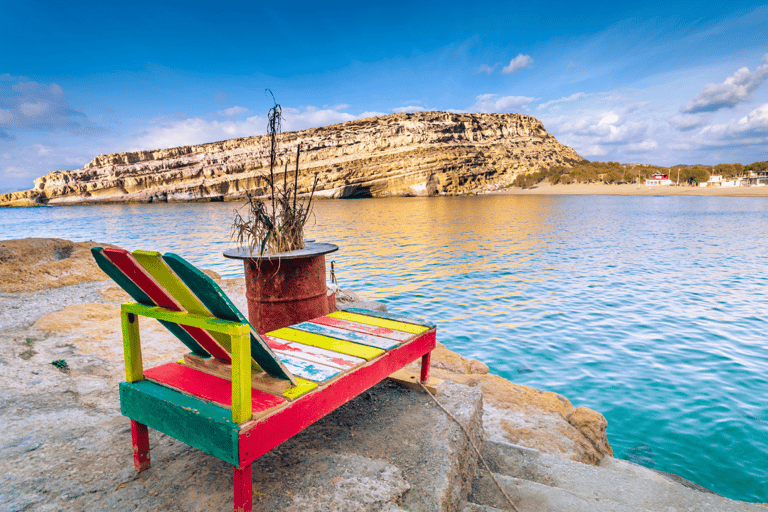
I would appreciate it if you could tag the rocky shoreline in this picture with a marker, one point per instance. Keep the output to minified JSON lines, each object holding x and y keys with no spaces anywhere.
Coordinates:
{"x":66,"y":446}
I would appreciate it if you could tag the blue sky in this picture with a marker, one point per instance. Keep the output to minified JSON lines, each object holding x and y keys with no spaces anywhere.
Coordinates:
{"x":656,"y":82}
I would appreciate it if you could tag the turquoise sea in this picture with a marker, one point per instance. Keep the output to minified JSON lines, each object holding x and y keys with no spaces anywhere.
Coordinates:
{"x":650,"y":310}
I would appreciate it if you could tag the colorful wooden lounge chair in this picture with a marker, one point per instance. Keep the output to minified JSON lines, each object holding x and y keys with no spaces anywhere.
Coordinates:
{"x":236,"y":394}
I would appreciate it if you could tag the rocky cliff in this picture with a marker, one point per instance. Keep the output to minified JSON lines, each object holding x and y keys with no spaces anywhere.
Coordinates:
{"x":428,"y":153}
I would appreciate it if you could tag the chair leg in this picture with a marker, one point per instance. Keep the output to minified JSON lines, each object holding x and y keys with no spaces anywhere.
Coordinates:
{"x":140,"y":440}
{"x":243,"y":487}
{"x":425,"y":360}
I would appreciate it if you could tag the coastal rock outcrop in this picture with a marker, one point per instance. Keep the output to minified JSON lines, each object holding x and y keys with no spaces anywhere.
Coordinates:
{"x":34,"y":264}
{"x":426,"y":153}
{"x":522,"y":415}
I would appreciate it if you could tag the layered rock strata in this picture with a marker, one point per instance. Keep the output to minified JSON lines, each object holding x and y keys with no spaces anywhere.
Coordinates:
{"x":427,"y":153}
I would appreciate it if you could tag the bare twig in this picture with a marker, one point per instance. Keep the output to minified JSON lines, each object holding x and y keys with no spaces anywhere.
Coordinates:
{"x":281,"y":227}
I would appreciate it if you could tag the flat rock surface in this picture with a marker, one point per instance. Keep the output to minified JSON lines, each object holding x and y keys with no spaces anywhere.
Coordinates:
{"x":538,"y":482}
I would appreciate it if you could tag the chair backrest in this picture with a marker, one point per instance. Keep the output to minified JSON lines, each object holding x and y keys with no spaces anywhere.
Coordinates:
{"x":170,"y":282}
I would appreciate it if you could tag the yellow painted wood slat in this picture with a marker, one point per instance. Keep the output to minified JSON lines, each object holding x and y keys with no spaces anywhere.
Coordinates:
{"x":303,"y":387}
{"x":316,"y":340}
{"x":180,"y":317}
{"x":241,"y":378}
{"x":134,"y":368}
{"x":379,"y":322}
{"x":153,"y":262}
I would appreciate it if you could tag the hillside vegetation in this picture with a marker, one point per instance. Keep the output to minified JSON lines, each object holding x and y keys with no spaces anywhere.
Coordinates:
{"x":614,"y":172}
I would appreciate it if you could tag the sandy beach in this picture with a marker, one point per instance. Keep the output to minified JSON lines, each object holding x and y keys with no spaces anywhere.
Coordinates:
{"x":634,"y":190}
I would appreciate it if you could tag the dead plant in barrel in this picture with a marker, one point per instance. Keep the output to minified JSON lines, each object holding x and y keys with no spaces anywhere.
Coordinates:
{"x":275,"y":223}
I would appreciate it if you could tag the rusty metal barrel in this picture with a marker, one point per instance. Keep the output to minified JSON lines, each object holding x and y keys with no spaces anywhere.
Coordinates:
{"x":287,"y":288}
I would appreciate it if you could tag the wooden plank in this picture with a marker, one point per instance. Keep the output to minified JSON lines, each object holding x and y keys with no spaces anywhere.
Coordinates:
{"x":153,"y":262}
{"x":392,"y":316}
{"x":315,"y":354}
{"x":140,"y":442}
{"x":308,"y":370}
{"x":242,"y":483}
{"x":259,"y":379}
{"x":128,"y":265}
{"x":380,"y":322}
{"x":316,"y":340}
{"x":208,"y":387}
{"x":200,"y":424}
{"x":303,"y":387}
{"x":139,"y":296}
{"x":134,"y":369}
{"x":365,"y":328}
{"x":343,"y":334}
{"x":411,"y":380}
{"x":217,"y":302}
{"x":241,"y":378}
{"x":187,"y":319}
{"x":260,"y":436}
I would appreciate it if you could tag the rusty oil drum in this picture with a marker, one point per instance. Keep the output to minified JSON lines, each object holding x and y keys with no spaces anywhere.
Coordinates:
{"x":286,"y":288}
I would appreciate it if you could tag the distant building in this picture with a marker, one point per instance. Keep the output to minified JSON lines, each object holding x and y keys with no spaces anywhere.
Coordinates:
{"x":658,"y":179}
{"x":716,"y":180}
{"x":755,"y":179}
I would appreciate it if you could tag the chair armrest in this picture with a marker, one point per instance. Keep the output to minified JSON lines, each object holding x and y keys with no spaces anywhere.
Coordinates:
{"x":241,"y":348}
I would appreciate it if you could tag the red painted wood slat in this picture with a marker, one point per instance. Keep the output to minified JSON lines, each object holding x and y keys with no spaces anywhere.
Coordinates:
{"x":208,"y":387}
{"x":363,"y":328}
{"x":315,"y":354}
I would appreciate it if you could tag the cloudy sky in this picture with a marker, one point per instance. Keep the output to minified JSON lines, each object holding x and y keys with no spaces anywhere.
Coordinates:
{"x":657,"y":82}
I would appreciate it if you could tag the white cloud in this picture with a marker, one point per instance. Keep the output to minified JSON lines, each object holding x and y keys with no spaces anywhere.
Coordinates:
{"x":736,"y":89}
{"x":371,"y":113}
{"x":312,"y":117}
{"x":684,"y":122}
{"x":518,"y":63}
{"x":750,"y":129}
{"x":36,"y":109}
{"x":493,"y":103}
{"x":168,"y":133}
{"x":411,"y":108}
{"x":22,"y":164}
{"x":232,"y":111}
{"x":172,"y":132}
{"x":622,"y":132}
{"x":6,"y":116}
{"x":29,"y":105}
{"x":484,"y":68}
{"x":757,"y":120}
{"x":567,"y":99}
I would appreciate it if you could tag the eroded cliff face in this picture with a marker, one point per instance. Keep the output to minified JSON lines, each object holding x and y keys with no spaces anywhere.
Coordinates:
{"x":428,"y":153}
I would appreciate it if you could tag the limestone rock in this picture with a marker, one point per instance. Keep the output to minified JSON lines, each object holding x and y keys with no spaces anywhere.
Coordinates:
{"x":425,"y":153}
{"x":593,"y":425}
{"x":34,"y":264}
{"x":526,"y":416}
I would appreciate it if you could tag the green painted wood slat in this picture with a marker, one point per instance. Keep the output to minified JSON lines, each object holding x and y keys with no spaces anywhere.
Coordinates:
{"x":203,"y":425}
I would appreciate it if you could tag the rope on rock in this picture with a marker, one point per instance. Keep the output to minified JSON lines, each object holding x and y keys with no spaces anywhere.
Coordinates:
{"x":471,"y":442}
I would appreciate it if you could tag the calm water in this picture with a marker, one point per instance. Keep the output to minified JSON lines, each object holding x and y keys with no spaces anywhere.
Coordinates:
{"x":650,"y":310}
